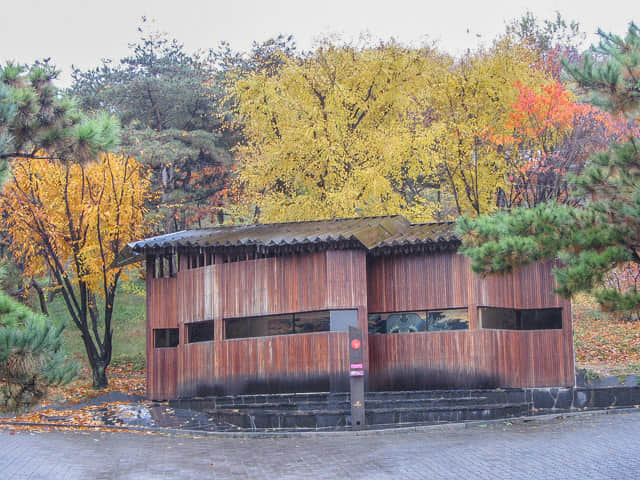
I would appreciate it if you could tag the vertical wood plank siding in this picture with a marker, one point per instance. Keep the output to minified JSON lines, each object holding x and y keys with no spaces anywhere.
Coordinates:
{"x":288,"y":363}
{"x":347,"y":279}
{"x":162,"y":363}
{"x":472,"y":358}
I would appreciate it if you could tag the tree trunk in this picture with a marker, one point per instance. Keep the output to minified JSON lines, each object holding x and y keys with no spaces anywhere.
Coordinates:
{"x":99,"y":372}
{"x":97,"y":360}
{"x":41,"y":297}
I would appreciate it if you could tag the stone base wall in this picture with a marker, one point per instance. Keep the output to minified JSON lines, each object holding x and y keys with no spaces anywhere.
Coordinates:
{"x":546,"y":399}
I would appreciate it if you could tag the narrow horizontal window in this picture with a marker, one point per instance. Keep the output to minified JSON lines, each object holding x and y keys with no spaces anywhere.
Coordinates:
{"x":200,"y":331}
{"x":270,"y":325}
{"x":521,"y":319}
{"x":397,"y":322}
{"x":165,"y":337}
{"x":419,"y":321}
{"x":450,"y":319}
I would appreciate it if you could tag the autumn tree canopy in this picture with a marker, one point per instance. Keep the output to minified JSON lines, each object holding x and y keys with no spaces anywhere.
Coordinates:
{"x":600,"y":233}
{"x":549,"y":137}
{"x":346,"y":131}
{"x":69,"y":221}
{"x":327,"y":135}
{"x":465,"y":115}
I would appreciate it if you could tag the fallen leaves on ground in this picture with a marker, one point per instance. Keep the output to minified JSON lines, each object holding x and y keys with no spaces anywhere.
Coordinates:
{"x":124,"y":378}
{"x":90,"y":417}
{"x":603,"y":343}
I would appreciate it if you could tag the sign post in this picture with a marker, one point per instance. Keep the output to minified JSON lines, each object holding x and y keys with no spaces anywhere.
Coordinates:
{"x":356,"y":378}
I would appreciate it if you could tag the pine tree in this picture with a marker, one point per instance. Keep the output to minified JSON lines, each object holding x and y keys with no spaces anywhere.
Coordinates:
{"x":36,"y":121}
{"x":32,"y":357}
{"x":602,"y":232}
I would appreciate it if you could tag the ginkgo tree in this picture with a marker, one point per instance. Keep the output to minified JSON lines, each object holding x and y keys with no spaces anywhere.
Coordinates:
{"x":465,"y":113}
{"x":351,"y":130}
{"x":69,"y":220}
{"x":328,"y":134}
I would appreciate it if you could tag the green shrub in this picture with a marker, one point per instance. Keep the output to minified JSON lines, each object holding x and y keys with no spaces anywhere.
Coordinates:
{"x":31,"y":356}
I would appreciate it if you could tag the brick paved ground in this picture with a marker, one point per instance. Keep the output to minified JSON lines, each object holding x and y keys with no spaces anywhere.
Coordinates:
{"x":584,"y":447}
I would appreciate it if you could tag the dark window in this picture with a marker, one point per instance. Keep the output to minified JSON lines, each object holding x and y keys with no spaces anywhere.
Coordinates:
{"x":420,"y":321}
{"x":512,"y":319}
{"x":286,"y":324}
{"x":165,"y":337}
{"x":200,"y":331}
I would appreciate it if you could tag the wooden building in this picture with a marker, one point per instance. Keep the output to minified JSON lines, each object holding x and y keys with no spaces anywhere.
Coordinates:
{"x":266,"y":308}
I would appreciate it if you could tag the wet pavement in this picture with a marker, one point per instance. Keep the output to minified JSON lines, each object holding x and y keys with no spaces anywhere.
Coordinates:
{"x":587,"y":446}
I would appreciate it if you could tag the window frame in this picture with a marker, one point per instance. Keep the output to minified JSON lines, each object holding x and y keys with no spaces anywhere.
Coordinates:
{"x":168,"y":331}
{"x":292,"y":320}
{"x":518,"y":310}
{"x":197,"y":324}
{"x":424,"y":312}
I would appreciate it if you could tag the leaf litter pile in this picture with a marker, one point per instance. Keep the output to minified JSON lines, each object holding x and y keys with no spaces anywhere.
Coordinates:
{"x":603,"y":343}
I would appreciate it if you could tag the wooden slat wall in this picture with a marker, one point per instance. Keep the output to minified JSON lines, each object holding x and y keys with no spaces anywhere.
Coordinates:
{"x":274,"y":285}
{"x":471,"y":359}
{"x":468,"y":358}
{"x":347,"y":279}
{"x":162,"y":363}
{"x":400,"y":283}
{"x":308,"y":362}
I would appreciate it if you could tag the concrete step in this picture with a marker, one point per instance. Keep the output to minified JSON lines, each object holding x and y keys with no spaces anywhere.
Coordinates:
{"x":240,"y":401}
{"x":345,"y":405}
{"x":252,"y":418}
{"x":333,"y":410}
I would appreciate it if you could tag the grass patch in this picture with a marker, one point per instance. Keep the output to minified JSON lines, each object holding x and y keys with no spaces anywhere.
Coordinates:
{"x":128,"y":326}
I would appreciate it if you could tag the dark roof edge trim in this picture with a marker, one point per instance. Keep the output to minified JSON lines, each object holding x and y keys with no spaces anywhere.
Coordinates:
{"x":260,"y":249}
{"x":426,"y":247}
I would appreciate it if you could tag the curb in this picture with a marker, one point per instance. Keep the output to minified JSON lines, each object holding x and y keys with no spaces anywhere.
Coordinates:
{"x":535,"y":419}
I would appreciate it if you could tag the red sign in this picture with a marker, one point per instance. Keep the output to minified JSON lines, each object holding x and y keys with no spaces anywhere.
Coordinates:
{"x":356,"y":366}
{"x":355,"y":344}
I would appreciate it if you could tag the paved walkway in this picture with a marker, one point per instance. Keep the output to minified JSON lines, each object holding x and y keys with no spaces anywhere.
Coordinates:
{"x":582,"y":447}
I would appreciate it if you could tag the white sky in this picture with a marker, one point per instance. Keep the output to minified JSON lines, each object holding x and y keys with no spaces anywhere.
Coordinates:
{"x":81,"y":32}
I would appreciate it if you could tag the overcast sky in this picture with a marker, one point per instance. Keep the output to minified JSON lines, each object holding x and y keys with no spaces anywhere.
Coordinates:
{"x":81,"y":32}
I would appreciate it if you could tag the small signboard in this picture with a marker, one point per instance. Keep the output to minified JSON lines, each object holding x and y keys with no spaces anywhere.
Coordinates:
{"x":356,"y":378}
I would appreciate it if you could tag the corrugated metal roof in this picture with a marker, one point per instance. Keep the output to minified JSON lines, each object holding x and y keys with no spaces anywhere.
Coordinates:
{"x":421,"y":233}
{"x":380,"y":235}
{"x":369,"y":231}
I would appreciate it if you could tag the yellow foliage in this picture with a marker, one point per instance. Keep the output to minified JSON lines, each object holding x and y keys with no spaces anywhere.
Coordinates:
{"x":70,"y":220}
{"x":373,"y":131}
{"x":328,"y":135}
{"x":470,"y":108}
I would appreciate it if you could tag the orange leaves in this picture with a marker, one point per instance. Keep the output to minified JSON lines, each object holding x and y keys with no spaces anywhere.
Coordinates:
{"x":72,"y":218}
{"x":123,"y":379}
{"x":550,"y":108}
